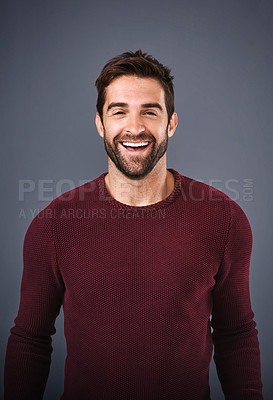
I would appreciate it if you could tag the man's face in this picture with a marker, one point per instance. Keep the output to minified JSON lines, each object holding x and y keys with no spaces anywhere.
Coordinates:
{"x":135,"y":124}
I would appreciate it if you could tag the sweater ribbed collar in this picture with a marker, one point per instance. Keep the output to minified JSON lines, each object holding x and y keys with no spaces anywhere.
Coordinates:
{"x":105,"y":195}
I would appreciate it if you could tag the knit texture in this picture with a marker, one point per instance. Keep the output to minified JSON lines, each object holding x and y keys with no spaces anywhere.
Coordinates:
{"x":138,"y":287}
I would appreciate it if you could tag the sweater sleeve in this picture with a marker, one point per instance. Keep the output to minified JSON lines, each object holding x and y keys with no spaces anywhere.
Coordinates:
{"x":29,"y":349}
{"x":236,"y":346}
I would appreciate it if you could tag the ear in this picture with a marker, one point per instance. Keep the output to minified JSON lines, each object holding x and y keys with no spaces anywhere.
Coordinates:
{"x":99,"y":125}
{"x":172,"y":124}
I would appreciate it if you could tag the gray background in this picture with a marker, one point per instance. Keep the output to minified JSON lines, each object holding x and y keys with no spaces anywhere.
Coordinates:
{"x":221,"y":55}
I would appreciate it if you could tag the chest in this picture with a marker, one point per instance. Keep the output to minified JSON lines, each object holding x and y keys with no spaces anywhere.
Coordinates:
{"x":137,"y":261}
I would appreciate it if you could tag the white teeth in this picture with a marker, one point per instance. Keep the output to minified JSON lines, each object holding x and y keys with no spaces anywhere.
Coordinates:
{"x":132,"y":144}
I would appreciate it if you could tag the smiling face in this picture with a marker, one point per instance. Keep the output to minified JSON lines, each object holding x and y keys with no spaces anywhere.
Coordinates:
{"x":135,"y":125}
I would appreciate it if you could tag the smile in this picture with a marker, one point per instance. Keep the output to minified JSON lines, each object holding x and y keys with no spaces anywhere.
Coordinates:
{"x":135,"y":145}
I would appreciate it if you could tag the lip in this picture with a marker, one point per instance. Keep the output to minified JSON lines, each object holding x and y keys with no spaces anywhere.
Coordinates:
{"x":135,"y":151}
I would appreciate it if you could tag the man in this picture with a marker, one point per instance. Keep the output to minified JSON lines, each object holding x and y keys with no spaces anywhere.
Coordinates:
{"x":144,"y":261}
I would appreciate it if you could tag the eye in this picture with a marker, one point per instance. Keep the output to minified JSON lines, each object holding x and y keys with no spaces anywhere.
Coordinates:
{"x":118,"y":112}
{"x":150,"y":113}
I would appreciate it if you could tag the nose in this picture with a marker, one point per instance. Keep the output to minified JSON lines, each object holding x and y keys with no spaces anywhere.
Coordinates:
{"x":134,"y":124}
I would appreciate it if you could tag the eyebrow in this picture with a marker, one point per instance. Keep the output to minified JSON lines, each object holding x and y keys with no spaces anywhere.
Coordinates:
{"x":146,"y":105}
{"x":152,"y":105}
{"x":112,"y":105}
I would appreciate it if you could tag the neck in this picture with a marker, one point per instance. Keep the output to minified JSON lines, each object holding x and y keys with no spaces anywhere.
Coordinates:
{"x":156,"y":186}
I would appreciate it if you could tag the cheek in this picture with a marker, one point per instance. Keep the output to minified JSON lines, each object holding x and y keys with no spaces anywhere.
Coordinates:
{"x":159,"y":126}
{"x":113,"y":126}
{"x":112,"y":130}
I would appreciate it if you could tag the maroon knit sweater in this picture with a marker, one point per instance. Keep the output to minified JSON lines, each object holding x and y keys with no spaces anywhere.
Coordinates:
{"x":138,"y":287}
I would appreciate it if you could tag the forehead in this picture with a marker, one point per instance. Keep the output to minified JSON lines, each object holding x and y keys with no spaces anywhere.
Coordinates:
{"x":135,"y":90}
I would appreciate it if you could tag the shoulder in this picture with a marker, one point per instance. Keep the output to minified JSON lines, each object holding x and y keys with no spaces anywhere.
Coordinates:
{"x":199,"y":191}
{"x":87,"y":192}
{"x":64,"y":206}
{"x":207,"y":199}
{"x":221,"y":214}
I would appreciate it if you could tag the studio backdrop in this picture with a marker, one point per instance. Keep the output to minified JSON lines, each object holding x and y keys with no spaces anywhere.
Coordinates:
{"x":221,"y":57}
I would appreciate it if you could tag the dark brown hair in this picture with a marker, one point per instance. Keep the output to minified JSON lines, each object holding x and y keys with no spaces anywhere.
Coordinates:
{"x":139,"y":64}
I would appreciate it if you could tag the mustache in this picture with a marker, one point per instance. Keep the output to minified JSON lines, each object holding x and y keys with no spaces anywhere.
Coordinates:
{"x":141,"y":136}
